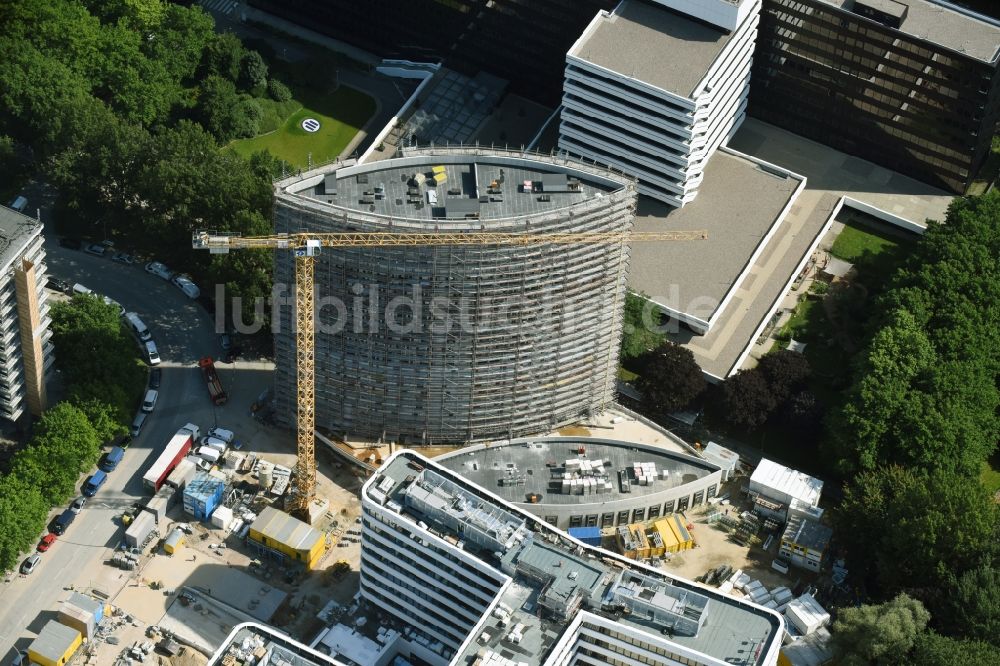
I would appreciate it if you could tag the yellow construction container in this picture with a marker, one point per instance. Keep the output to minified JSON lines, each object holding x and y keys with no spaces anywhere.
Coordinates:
{"x":174,"y":541}
{"x":675,"y":536}
{"x":55,"y":645}
{"x":281,"y":532}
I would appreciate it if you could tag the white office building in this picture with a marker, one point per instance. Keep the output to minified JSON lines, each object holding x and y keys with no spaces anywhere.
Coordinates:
{"x":653,"y":88}
{"x":26,"y":351}
{"x":472,"y":580}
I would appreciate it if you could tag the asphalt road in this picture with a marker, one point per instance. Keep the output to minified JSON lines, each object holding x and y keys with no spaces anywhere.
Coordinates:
{"x":183,"y":332}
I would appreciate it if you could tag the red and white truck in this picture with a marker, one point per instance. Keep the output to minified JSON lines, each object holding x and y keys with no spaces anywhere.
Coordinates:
{"x":175,"y":450}
{"x":215,"y":390}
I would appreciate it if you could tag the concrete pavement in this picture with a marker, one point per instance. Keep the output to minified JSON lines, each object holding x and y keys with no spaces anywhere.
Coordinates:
{"x":183,"y":332}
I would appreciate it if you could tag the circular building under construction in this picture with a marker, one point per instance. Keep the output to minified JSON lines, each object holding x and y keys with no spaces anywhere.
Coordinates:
{"x":424,"y":344}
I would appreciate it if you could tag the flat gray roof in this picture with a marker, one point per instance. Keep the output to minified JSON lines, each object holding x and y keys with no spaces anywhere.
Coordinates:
{"x":458,"y":190}
{"x":946,"y":27}
{"x":654,"y":45}
{"x":16,"y":231}
{"x":732,"y":632}
{"x":738,"y":202}
{"x":487,"y":466}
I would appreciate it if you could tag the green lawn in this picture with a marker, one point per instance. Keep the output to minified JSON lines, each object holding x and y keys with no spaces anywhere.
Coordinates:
{"x":626,"y":375}
{"x":340,"y":113}
{"x":855,"y":242}
{"x":990,"y":476}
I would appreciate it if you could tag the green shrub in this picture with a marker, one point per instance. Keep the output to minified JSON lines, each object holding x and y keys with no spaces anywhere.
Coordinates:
{"x":278,"y":91}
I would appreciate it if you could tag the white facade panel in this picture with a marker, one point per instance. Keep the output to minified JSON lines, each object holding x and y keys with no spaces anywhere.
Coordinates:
{"x":663,"y":139}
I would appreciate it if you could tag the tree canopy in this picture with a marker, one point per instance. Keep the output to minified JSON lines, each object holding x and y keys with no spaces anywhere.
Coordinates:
{"x":878,"y":634}
{"x":640,"y":325}
{"x":108,"y":94}
{"x":671,"y":380}
{"x":907,"y":530}
{"x":925,"y":392}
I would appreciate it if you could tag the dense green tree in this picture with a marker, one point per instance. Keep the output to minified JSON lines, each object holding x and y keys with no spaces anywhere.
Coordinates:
{"x":971,"y":606}
{"x":925,"y":392}
{"x":180,"y":41}
{"x":908,"y":530}
{"x":106,"y":420}
{"x":253,"y":71}
{"x":224,"y":56}
{"x":246,"y":118}
{"x":878,"y":634}
{"x":671,"y":380}
{"x":640,"y":327}
{"x":23,"y":512}
{"x":278,"y":91}
{"x":99,"y":360}
{"x":747,"y":400}
{"x":216,"y":107}
{"x":931,"y":649}
{"x":64,"y":445}
{"x":10,"y":167}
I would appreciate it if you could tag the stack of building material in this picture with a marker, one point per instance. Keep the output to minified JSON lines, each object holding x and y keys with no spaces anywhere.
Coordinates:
{"x":222,"y":517}
{"x":781,"y":595}
{"x":806,"y":615}
{"x":645,"y":473}
{"x":491,"y":658}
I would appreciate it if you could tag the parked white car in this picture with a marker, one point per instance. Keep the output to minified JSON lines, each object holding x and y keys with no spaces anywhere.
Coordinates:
{"x":151,"y":353}
{"x":159,"y":270}
{"x":215,"y":443}
{"x":149,"y":402}
{"x":185,"y":284}
{"x":226,"y":436}
{"x":208,"y":454}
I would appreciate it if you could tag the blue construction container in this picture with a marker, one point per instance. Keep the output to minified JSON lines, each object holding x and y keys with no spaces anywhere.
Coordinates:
{"x":589,"y":535}
{"x":202,"y":494}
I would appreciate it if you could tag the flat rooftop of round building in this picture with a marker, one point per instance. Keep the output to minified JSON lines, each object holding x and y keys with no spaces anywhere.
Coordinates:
{"x":456,"y":185}
{"x":538,"y":466}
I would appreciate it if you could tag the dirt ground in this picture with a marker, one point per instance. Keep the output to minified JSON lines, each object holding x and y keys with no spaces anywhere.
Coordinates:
{"x":714,"y":548}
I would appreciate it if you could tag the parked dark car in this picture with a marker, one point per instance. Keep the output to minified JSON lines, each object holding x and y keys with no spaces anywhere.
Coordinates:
{"x":123,"y":258}
{"x":71,"y":243}
{"x":96,"y":249}
{"x":154,"y":378}
{"x":58,"y":285}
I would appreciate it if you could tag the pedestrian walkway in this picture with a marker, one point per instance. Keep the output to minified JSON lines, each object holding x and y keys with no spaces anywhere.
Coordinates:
{"x":225,"y":7}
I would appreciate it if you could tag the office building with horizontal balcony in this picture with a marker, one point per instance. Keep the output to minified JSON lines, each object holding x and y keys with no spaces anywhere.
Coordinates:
{"x":909,"y":85}
{"x":470,"y":579}
{"x":26,"y":350}
{"x":654,"y":88}
{"x":457,"y":343}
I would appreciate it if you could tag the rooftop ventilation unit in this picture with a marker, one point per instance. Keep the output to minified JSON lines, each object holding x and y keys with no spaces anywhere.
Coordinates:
{"x":887,"y":12}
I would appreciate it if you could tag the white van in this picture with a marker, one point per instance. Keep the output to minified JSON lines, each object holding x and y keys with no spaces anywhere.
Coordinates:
{"x":151,"y":353}
{"x":137,"y":326}
{"x":149,"y":402}
{"x":223,"y":434}
{"x":19,"y":203}
{"x":80,"y":289}
{"x":208,"y":454}
{"x":215,"y":443}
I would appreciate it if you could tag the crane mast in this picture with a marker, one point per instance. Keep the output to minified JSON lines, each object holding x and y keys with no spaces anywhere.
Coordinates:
{"x":307,"y":246}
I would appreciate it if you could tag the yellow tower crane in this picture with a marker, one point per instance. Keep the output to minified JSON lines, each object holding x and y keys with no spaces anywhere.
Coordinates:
{"x":307,"y":246}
